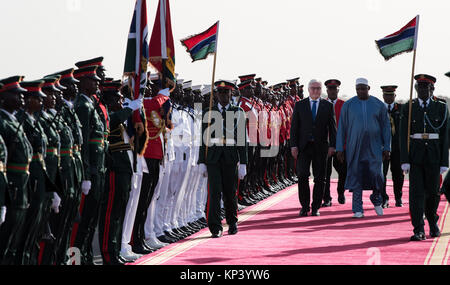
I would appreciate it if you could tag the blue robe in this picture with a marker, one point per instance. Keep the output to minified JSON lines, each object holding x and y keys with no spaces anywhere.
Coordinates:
{"x":365,"y":130}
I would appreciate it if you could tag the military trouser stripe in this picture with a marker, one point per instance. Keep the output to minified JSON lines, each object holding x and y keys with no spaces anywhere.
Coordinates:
{"x":112,"y":188}
{"x":75,"y":225}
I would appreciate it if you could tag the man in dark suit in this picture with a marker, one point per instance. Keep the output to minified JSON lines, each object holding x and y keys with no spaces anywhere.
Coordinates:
{"x":313,"y":139}
{"x":225,"y":158}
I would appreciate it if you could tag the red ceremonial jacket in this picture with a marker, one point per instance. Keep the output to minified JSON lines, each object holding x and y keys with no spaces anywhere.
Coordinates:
{"x":155,"y":126}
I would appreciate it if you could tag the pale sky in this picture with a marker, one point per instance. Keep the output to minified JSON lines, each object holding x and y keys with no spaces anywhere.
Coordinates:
{"x":277,"y":40}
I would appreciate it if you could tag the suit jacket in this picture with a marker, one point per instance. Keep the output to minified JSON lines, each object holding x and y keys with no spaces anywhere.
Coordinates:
{"x":228,"y":153}
{"x":323,"y":129}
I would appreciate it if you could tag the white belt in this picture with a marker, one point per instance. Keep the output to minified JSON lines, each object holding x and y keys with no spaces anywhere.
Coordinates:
{"x":425,"y":136}
{"x":223,"y":141}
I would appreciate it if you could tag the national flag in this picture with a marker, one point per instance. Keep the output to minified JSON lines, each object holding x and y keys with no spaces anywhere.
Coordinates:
{"x":137,"y":55}
{"x":201,"y":45}
{"x":404,"y":40}
{"x":162,"y":49}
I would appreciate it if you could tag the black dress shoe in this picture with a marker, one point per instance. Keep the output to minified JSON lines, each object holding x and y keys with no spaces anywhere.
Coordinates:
{"x":232,"y":229}
{"x":303,"y":213}
{"x":141,"y":249}
{"x":172,"y":235}
{"x":327,"y":204}
{"x":385,"y":204}
{"x":434,"y":231}
{"x":341,"y":199}
{"x":447,"y":195}
{"x":315,"y":213}
{"x":398,"y":203}
{"x":217,"y":235}
{"x":165,"y":239}
{"x":418,"y":237}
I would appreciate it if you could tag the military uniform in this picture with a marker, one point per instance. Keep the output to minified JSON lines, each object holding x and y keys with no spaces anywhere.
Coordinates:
{"x":153,"y":154}
{"x":245,"y":187}
{"x":341,"y":168}
{"x":428,"y":151}
{"x":224,"y":154}
{"x":118,"y":182}
{"x":38,"y":182}
{"x":3,"y":178}
{"x":93,"y":156}
{"x":17,"y":169}
{"x":394,"y":112}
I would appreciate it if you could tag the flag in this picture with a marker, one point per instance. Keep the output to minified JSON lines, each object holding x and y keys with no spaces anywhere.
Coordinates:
{"x":162,"y":50}
{"x":404,"y":40}
{"x":137,"y":54}
{"x":201,"y":45}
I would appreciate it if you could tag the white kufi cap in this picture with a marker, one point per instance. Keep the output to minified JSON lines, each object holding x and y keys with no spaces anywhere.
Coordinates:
{"x":362,"y":81}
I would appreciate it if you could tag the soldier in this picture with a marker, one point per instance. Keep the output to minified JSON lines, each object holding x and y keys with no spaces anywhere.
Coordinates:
{"x":119,"y":174}
{"x":39,"y":182}
{"x":92,"y":153}
{"x":102,"y":112}
{"x":445,"y":189}
{"x":153,"y":155}
{"x":246,"y":186}
{"x":226,"y":150}
{"x":427,"y":157}
{"x":17,"y":169}
{"x":292,"y":99}
{"x":56,"y":114}
{"x":3,"y":179}
{"x":341,"y":168}
{"x":52,"y":158}
{"x":71,"y":118}
{"x":394,"y":111}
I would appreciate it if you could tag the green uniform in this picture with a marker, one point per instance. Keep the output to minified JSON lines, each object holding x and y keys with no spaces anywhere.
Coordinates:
{"x":61,"y":224}
{"x":52,"y":161}
{"x":19,"y":158}
{"x":72,"y":120}
{"x":39,"y":196}
{"x":222,"y":165}
{"x":117,"y":190}
{"x":426,"y":156}
{"x":93,"y":156}
{"x":3,"y":178}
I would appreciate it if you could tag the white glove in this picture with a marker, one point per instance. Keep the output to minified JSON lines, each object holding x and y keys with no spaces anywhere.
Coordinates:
{"x":135,"y":104}
{"x":443,"y":169}
{"x":2,"y":214}
{"x":203,"y":169}
{"x":85,"y":186}
{"x":406,"y":167}
{"x":242,"y":171}
{"x":56,"y":202}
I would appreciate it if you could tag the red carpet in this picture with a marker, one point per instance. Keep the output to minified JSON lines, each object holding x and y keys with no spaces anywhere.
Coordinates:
{"x":271,"y":233}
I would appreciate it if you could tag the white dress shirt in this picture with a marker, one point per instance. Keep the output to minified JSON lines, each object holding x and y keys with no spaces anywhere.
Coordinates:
{"x":421,"y":102}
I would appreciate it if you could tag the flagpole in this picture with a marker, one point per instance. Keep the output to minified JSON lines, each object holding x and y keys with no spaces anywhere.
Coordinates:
{"x":412,"y":82}
{"x":212,"y":92}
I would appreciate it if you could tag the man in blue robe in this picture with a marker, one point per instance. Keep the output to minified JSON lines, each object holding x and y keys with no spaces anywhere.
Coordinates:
{"x":364,"y":137}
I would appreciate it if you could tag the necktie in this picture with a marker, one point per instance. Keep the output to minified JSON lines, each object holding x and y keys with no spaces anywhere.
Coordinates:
{"x":390,"y":108}
{"x":314,"y":109}
{"x":223,"y":119}
{"x":424,"y":104}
